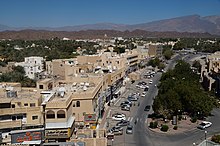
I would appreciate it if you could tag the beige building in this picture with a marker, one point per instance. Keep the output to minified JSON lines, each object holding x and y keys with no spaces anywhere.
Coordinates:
{"x":209,"y":72}
{"x":20,"y":108}
{"x":75,"y":96}
{"x":155,"y":50}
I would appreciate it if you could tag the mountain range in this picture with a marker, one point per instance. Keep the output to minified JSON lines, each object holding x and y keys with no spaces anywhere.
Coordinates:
{"x":187,"y":24}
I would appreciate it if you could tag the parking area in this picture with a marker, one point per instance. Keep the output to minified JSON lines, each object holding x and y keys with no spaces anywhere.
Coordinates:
{"x":120,"y":120}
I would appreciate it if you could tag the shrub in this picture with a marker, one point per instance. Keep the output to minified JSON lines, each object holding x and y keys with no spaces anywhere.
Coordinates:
{"x":164,"y":128}
{"x":175,"y":127}
{"x":153,"y":125}
{"x":193,"y":119}
{"x":216,"y":138}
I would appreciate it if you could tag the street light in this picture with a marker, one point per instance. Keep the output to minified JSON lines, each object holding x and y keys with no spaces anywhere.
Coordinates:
{"x":44,"y":118}
{"x":112,"y":141}
{"x":205,"y":138}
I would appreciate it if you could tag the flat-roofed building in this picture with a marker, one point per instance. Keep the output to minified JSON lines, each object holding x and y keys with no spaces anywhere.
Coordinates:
{"x":155,"y":50}
{"x":20,"y":108}
{"x":32,"y":65}
{"x":210,"y":73}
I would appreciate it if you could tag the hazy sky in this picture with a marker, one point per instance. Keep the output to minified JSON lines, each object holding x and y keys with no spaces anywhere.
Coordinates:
{"x":55,"y":13}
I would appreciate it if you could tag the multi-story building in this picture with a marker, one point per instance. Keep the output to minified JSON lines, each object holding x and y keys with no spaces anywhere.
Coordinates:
{"x":155,"y":50}
{"x":20,"y":108}
{"x":210,"y":73}
{"x":32,"y":66}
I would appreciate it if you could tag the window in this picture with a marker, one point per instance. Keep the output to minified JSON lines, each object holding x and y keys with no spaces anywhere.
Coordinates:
{"x":61,"y":114}
{"x":41,"y":86}
{"x":26,"y":104}
{"x":78,"y":104}
{"x":74,"y":105}
{"x":12,"y":106}
{"x":32,"y":104}
{"x":50,"y":115}
{"x":34,"y":117}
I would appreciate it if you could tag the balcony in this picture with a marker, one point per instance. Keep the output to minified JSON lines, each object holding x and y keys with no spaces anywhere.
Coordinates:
{"x":10,"y":124}
{"x":11,"y":111}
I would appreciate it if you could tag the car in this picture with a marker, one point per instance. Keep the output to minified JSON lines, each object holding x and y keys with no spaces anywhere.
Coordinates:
{"x":132,"y":98}
{"x":118,"y":118}
{"x":129,"y":129}
{"x":116,"y":127}
{"x":143,"y":94}
{"x":117,"y":132}
{"x":121,"y":114}
{"x":123,"y":123}
{"x":125,"y":107}
{"x":127,"y":102}
{"x":147,"y":108}
{"x":204,"y":124}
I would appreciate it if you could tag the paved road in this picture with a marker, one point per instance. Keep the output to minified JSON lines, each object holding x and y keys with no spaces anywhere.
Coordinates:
{"x":142,"y":136}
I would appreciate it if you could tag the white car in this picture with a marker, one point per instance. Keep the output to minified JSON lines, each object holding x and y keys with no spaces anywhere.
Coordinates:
{"x":204,"y":125}
{"x":119,"y":117}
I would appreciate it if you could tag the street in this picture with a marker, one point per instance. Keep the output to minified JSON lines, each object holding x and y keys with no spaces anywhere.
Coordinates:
{"x":142,"y":135}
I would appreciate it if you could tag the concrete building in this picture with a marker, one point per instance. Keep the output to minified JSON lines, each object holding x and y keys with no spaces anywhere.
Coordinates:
{"x":20,"y":108}
{"x":210,"y":73}
{"x":32,"y":66}
{"x":155,"y":50}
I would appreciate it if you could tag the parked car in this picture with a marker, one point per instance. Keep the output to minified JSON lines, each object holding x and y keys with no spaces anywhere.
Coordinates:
{"x":204,"y":124}
{"x":116,"y":127}
{"x":118,"y":117}
{"x":127,"y":102}
{"x":125,"y":107}
{"x":117,"y":132}
{"x":147,"y":108}
{"x":123,"y":123}
{"x":121,"y":114}
{"x":132,"y":98}
{"x":129,"y":129}
{"x":143,"y":94}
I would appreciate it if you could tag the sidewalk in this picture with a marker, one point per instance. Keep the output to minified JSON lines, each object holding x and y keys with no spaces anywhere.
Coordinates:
{"x":107,"y":114}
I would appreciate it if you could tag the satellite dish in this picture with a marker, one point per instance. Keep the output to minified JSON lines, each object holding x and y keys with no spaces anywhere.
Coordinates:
{"x":84,"y":88}
{"x":61,"y":91}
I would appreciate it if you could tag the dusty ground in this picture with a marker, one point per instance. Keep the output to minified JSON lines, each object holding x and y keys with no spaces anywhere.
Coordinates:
{"x":183,"y":126}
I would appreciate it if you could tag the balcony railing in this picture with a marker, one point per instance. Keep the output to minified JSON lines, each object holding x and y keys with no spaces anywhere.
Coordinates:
{"x":11,"y":111}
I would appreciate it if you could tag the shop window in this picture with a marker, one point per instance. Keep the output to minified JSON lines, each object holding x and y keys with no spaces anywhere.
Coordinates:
{"x":34,"y":117}
{"x":61,"y":114}
{"x":78,"y":104}
{"x":50,"y":114}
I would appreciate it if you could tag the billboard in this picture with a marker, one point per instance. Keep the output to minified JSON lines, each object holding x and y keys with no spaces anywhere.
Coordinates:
{"x":89,"y":118}
{"x":21,"y":136}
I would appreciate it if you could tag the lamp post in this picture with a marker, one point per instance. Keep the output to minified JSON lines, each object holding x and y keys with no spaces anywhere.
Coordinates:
{"x":44,"y":121}
{"x":112,"y":141}
{"x":205,"y":138}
